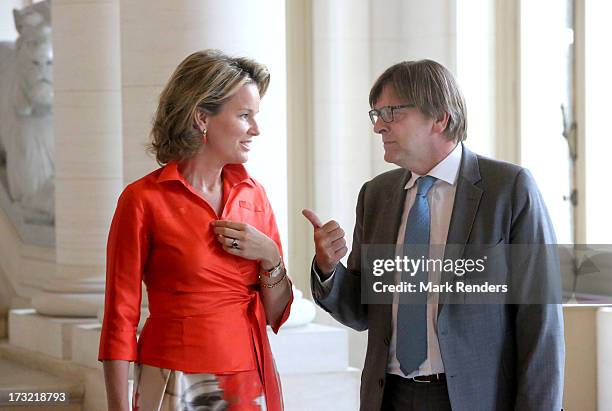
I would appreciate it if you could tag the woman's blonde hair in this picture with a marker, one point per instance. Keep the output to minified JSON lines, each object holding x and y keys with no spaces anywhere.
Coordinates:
{"x":205,"y":80}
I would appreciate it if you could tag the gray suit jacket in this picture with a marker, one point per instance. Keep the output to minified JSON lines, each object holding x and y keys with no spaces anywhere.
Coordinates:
{"x":496,"y":357}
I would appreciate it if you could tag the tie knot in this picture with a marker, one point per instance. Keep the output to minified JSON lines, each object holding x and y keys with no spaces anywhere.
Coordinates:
{"x":424,"y":184}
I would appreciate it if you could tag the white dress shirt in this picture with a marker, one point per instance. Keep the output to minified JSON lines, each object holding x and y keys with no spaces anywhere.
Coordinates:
{"x":440,"y":198}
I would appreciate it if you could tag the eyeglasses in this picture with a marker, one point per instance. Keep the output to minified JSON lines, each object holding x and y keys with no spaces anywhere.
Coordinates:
{"x":386,"y":112}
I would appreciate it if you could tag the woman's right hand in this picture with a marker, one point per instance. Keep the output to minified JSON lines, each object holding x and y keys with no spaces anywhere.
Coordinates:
{"x":252,"y":243}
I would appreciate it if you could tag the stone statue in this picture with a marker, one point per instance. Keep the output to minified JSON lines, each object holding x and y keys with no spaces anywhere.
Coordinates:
{"x":26,"y":122}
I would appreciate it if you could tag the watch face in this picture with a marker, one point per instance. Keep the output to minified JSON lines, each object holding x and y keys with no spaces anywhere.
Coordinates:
{"x":276,"y":272}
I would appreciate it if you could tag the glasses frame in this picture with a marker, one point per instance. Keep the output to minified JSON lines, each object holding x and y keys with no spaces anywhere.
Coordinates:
{"x":391,"y":109}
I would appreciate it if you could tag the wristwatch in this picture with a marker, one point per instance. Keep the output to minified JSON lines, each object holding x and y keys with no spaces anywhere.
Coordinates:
{"x":275,"y":271}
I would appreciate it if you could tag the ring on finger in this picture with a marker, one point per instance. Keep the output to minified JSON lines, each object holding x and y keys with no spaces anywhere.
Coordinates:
{"x":234,"y":244}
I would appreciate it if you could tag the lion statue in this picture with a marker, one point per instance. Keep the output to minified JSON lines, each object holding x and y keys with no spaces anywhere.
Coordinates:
{"x":26,"y":121}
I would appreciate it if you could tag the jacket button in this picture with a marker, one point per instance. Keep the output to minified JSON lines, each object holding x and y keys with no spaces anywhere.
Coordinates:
{"x":381,"y":382}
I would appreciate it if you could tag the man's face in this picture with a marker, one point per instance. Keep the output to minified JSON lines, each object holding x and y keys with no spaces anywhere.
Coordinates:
{"x":409,"y":140}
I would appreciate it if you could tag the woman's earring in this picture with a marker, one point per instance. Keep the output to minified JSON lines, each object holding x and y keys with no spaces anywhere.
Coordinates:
{"x":204,"y":136}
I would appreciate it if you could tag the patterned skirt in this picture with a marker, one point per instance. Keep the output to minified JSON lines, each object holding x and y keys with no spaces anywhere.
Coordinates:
{"x":159,"y":389}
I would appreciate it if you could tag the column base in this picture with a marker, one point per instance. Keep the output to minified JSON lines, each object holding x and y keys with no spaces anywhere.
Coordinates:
{"x":47,"y":335}
{"x":81,"y":305}
{"x":312,"y":348}
{"x":85,"y":345}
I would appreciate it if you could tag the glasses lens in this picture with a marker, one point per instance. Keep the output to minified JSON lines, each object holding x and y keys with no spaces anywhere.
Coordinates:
{"x":387,"y":114}
{"x":373,"y":116}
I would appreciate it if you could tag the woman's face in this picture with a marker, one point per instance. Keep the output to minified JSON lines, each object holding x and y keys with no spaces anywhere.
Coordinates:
{"x":231,"y":131}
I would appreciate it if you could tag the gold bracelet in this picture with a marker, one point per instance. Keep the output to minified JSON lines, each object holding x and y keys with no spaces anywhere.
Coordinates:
{"x":274,"y":284}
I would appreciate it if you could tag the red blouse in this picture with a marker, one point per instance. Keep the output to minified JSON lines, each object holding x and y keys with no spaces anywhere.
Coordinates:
{"x":206,"y":313}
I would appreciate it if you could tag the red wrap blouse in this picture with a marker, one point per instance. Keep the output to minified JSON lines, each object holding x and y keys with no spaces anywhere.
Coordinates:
{"x":206,"y":313}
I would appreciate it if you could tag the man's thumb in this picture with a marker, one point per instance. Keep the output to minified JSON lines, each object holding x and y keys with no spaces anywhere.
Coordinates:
{"x":312,"y":217}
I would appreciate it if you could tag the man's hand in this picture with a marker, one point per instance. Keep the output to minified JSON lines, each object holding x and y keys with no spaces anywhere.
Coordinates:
{"x":330,"y":245}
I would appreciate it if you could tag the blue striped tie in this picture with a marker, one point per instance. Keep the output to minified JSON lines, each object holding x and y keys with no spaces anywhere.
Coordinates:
{"x":411,"y":349}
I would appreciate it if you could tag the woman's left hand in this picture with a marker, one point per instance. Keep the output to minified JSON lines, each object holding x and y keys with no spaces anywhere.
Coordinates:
{"x":249,"y":242}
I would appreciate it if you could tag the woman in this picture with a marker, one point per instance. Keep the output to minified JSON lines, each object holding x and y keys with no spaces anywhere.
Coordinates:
{"x":202,"y":236}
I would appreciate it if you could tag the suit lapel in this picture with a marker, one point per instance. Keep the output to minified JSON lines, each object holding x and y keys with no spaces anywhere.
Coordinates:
{"x":387,"y":234}
{"x":389,"y":215}
{"x":465,"y":207}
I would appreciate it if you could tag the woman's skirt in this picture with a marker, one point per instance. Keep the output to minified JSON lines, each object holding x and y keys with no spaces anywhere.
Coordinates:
{"x":159,"y":389}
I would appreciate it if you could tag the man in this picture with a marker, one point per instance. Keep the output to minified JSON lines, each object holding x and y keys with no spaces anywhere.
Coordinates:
{"x":435,"y":356}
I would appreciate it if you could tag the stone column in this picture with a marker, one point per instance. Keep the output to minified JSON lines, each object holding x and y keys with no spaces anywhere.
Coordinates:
{"x":341,"y":126}
{"x":156,"y":36}
{"x":411,"y":30}
{"x":299,"y":138}
{"x":87,"y":126}
{"x":342,"y":138}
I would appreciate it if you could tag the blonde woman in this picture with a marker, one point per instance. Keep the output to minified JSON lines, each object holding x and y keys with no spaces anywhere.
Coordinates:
{"x":201,"y":234}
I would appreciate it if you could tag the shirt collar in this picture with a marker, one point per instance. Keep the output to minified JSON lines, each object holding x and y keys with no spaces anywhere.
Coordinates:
{"x":233,"y":174}
{"x":446,"y":170}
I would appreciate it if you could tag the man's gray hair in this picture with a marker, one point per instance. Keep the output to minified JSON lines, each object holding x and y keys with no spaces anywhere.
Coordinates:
{"x":429,"y":86}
